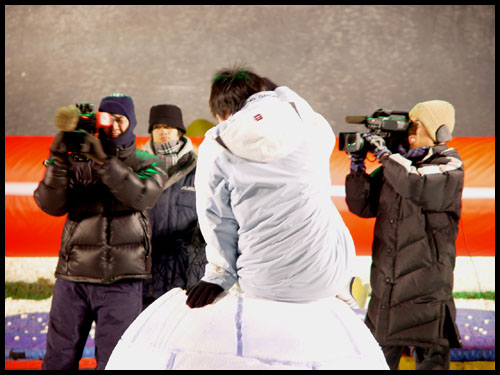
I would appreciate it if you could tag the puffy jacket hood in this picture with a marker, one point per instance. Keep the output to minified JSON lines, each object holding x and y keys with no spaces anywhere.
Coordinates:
{"x":264,"y":130}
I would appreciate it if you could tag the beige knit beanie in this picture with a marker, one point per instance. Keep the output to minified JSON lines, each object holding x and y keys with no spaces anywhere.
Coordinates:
{"x":434,"y":113}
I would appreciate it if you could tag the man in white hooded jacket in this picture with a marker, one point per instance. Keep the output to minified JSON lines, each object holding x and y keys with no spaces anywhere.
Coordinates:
{"x":263,"y":196}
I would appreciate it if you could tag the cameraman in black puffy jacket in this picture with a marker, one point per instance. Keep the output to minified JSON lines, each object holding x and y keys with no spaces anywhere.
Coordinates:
{"x":416,"y":198}
{"x":105,"y":250}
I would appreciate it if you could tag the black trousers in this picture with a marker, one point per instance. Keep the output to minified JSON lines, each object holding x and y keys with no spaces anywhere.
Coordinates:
{"x":74,"y":308}
{"x":426,"y":358}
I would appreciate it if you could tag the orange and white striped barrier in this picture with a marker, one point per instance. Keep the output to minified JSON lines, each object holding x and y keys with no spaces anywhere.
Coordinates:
{"x":29,"y":232}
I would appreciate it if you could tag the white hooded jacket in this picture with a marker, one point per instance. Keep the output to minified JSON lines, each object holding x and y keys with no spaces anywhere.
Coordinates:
{"x":263,"y":202}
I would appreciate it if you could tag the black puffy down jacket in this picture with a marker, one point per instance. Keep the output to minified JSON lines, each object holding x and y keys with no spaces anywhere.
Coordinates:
{"x":417,"y":209}
{"x":106,"y":235}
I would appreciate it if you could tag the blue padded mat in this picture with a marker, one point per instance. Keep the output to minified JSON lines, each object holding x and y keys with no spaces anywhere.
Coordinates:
{"x":477,"y":330}
{"x":25,"y":336}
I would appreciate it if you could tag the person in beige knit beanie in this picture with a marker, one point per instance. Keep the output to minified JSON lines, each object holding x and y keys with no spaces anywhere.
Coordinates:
{"x":434,"y":120}
{"x":416,"y":198}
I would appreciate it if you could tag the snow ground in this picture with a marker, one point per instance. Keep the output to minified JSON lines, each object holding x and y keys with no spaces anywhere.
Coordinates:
{"x":24,"y":306}
{"x":472,"y":274}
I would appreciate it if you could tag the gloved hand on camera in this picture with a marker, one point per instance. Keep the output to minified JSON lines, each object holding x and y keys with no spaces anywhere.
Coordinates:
{"x":358,"y":160}
{"x":87,"y":118}
{"x":202,"y":293}
{"x":58,"y":149}
{"x":92,"y":148}
{"x":376,"y":145}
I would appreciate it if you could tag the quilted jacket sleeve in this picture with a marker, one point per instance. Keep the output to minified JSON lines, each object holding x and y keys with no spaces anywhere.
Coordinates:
{"x":362,"y":193}
{"x":217,"y":221}
{"x":139,"y":189}
{"x":51,"y":193}
{"x":433,"y":185}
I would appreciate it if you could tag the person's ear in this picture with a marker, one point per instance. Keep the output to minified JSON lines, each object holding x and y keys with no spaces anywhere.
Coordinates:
{"x":412,"y":139}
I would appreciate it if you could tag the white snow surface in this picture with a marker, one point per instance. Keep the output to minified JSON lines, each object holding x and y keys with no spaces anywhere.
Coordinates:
{"x":247,"y":333}
{"x":472,"y":274}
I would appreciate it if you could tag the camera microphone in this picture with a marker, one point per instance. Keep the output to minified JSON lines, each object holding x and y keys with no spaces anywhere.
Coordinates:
{"x":67,"y":117}
{"x":356,"y":119}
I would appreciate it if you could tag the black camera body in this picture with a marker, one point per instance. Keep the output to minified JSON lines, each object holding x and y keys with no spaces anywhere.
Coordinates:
{"x":91,"y":121}
{"x":88,"y":122}
{"x":392,"y":126}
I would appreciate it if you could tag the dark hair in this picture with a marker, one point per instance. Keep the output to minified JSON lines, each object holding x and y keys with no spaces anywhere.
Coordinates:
{"x":231,"y":88}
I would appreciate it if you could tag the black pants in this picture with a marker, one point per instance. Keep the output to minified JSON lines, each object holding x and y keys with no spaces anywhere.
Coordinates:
{"x":75,"y":306}
{"x":427,"y":359}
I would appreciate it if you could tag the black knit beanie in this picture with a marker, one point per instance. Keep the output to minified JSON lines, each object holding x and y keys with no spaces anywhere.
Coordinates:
{"x":168,"y":114}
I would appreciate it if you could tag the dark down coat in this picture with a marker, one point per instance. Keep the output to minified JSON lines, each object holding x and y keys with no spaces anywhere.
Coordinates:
{"x":417,"y":209}
{"x":106,"y":235}
{"x":178,"y":246}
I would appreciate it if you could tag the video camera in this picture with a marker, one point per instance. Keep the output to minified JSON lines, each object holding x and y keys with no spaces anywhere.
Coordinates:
{"x":91,"y":121}
{"x":86,"y":121}
{"x":388,"y":124}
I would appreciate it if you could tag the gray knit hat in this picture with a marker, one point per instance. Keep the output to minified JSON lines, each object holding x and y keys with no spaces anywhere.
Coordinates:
{"x":433,"y":115}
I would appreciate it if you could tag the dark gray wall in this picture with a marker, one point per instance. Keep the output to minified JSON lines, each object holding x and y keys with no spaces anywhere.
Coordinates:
{"x":343,"y":59}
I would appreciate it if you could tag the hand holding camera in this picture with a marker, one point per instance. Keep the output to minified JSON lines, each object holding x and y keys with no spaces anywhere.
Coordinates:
{"x":376,"y":145}
{"x":391,"y":126}
{"x":77,"y":124}
{"x":58,"y":149}
{"x":358,"y":160}
{"x":92,"y":148}
{"x":82,"y":117}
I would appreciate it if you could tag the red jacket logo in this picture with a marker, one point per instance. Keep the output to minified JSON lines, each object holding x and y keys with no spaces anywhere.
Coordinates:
{"x":258,"y":117}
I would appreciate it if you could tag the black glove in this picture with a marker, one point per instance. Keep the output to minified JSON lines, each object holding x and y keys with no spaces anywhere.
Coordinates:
{"x":58,"y":149}
{"x":358,"y":160}
{"x":202,"y":293}
{"x":376,"y":145}
{"x":85,"y":108}
{"x":92,"y":148}
{"x":87,"y":118}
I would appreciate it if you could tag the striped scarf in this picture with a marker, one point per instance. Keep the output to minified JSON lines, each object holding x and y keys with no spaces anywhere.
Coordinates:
{"x":169,"y":151}
{"x":416,"y":154}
